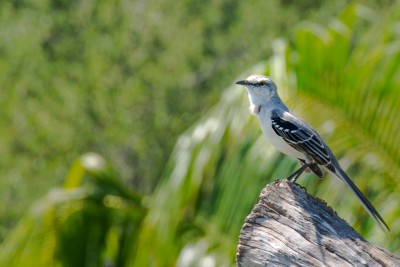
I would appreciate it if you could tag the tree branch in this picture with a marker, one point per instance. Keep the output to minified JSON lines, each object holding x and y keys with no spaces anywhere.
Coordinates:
{"x":288,"y":227}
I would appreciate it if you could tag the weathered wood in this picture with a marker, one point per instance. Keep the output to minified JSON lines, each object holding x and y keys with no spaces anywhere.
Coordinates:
{"x":288,"y":227}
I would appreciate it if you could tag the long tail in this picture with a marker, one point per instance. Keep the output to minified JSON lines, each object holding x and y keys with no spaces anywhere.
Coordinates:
{"x":363,"y":199}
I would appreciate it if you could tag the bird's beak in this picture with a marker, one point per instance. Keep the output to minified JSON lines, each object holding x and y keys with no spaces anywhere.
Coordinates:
{"x":243,"y":82}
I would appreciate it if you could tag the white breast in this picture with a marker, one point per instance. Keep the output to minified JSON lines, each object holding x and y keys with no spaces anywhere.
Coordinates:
{"x":264,"y":117}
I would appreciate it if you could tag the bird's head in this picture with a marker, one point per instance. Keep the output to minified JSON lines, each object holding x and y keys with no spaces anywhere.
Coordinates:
{"x":259,"y":86}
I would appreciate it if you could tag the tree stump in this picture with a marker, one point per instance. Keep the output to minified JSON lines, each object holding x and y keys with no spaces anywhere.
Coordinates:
{"x":288,"y":227}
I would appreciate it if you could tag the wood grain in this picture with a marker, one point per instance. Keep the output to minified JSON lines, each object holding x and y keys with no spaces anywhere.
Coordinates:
{"x":289,"y":227}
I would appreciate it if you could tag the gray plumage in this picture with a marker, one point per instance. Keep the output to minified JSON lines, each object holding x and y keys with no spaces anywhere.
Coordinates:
{"x":295,"y":137}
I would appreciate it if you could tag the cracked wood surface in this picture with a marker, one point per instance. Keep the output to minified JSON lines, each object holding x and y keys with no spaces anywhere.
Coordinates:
{"x":288,"y":227}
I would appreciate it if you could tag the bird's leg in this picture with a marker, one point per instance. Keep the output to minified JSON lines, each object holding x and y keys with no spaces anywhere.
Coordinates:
{"x":293,"y":177}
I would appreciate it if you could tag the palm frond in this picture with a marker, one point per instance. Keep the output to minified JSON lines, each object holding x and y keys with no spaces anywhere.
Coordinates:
{"x":91,"y":222}
{"x":332,"y":76}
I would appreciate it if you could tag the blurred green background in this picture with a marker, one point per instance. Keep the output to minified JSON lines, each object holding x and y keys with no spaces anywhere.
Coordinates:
{"x":178,"y":161}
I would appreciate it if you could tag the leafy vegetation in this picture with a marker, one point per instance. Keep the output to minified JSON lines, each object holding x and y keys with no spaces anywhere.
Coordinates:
{"x":121,"y":78}
{"x":219,"y":166}
{"x":95,"y":83}
{"x":92,"y":221}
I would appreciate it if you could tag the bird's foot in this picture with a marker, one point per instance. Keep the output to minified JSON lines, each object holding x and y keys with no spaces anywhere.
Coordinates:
{"x":294,"y":176}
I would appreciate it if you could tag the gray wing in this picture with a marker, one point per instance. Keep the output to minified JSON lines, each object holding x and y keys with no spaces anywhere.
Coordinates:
{"x":299,"y":135}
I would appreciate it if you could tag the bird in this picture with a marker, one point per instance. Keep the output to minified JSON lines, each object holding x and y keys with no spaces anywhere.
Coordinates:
{"x":294,"y":137}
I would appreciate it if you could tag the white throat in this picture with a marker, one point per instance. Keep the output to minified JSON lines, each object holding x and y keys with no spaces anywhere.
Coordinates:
{"x":256,"y":101}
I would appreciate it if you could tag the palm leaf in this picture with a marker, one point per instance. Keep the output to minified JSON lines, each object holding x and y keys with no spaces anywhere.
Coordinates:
{"x":90,"y":222}
{"x":220,"y":165}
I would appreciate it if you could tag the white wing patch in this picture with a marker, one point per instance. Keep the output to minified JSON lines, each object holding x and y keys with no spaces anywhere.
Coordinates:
{"x":300,"y":137}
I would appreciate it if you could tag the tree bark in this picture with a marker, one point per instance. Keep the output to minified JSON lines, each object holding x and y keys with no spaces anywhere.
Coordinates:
{"x":288,"y":227}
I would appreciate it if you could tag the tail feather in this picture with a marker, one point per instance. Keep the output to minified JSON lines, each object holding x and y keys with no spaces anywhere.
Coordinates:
{"x":362,"y":198}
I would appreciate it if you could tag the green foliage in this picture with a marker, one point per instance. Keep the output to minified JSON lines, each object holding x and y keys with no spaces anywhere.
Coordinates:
{"x":121,"y":78}
{"x":92,"y":221}
{"x":220,"y":165}
{"x":356,"y":60}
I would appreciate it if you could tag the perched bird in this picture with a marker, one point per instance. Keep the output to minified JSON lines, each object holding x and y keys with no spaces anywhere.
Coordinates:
{"x":296,"y":138}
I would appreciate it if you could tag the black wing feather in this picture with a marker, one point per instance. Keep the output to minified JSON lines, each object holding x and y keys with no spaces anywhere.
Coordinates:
{"x":301,"y":138}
